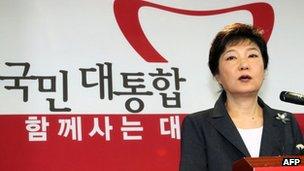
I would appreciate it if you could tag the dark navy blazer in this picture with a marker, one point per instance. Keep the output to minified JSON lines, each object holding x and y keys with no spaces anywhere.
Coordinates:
{"x":210,"y":140}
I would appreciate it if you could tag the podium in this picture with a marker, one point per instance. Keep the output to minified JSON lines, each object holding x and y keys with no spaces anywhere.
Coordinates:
{"x":273,"y":163}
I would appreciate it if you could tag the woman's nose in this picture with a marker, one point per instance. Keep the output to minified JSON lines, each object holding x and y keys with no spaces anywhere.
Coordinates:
{"x":243,"y":65}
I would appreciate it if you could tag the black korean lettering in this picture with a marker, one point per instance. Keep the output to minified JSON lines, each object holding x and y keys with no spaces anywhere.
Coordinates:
{"x":177,"y":78}
{"x":134,"y":83}
{"x":17,"y":79}
{"x":41,"y":84}
{"x":26,"y":66}
{"x":175,"y":100}
{"x":84,"y":78}
{"x":105,"y":75}
{"x":139,"y":102}
{"x":160,"y":78}
{"x":55,"y":109}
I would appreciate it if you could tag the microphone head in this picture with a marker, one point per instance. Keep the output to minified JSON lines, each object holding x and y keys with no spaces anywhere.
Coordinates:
{"x":282,"y":95}
{"x":292,"y":97}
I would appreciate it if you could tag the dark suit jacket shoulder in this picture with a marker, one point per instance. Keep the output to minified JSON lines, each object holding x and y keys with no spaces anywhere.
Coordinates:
{"x":210,"y":140}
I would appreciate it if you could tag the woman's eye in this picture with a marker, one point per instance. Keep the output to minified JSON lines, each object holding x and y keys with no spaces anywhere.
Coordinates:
{"x":229,"y":58}
{"x":253,"y":55}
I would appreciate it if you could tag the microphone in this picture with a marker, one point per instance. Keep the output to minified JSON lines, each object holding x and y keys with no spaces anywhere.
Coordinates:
{"x":291,"y":97}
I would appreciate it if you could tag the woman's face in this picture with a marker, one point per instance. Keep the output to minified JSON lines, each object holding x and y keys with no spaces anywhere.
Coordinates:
{"x":241,"y":68}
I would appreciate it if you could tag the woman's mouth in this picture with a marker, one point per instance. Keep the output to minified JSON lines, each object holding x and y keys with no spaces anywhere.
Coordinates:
{"x":245,"y":78}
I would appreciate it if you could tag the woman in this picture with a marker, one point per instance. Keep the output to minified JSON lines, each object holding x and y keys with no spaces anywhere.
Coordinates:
{"x":240,"y":124}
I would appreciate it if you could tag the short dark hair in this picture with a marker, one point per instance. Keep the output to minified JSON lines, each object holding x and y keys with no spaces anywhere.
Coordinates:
{"x":233,"y":34}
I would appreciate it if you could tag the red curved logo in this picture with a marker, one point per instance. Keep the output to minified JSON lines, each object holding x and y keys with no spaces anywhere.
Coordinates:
{"x":126,"y":13}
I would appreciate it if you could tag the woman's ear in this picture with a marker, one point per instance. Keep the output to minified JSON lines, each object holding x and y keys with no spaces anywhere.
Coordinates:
{"x":217,"y":77}
{"x":265,"y":74}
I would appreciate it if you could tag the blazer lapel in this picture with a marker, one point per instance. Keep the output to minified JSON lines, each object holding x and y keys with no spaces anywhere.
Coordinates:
{"x":273,"y":133}
{"x":224,"y":125}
